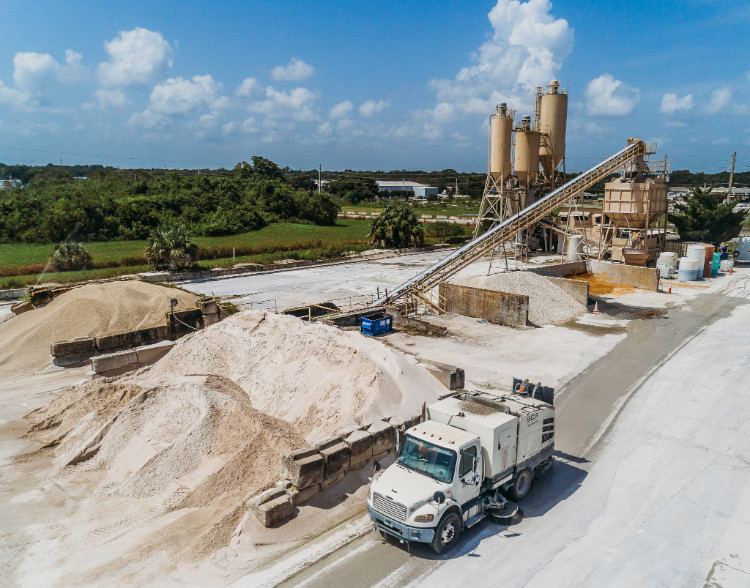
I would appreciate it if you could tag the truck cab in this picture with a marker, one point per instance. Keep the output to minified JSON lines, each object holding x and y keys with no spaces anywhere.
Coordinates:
{"x":455,"y":468}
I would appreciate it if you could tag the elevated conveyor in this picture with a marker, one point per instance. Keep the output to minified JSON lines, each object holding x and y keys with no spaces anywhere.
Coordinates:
{"x":423,"y":287}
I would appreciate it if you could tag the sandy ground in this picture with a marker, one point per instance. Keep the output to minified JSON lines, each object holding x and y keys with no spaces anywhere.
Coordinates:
{"x":656,"y":496}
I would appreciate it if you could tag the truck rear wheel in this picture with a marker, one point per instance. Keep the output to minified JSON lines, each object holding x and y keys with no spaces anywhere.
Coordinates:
{"x":447,"y":532}
{"x":522,"y":484}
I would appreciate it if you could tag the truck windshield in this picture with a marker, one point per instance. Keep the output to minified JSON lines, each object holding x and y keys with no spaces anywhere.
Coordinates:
{"x":424,"y":457}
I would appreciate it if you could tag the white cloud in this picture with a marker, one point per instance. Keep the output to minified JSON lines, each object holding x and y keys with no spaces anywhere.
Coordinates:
{"x":371,"y":107}
{"x":136,"y":57}
{"x":294,"y":71}
{"x":33,"y":71}
{"x":341,"y":110}
{"x":527,"y":48}
{"x":719,"y":99}
{"x":675,"y":124}
{"x":606,"y":96}
{"x":296,"y":104}
{"x":670,"y":103}
{"x":12,"y":96}
{"x":249,"y":125}
{"x":111,"y":99}
{"x":249,"y":87}
{"x":181,"y":96}
{"x":73,"y":70}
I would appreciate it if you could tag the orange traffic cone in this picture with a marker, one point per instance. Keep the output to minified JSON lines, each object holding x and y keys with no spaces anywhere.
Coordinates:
{"x":670,"y":290}
{"x":731,"y":267}
{"x":596,"y":306}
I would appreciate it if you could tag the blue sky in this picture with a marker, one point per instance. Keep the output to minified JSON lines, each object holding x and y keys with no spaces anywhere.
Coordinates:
{"x":378,"y":85}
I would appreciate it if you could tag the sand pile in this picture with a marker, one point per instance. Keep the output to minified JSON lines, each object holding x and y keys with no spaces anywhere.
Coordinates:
{"x":317,"y":377}
{"x":93,"y":309}
{"x":548,"y":304}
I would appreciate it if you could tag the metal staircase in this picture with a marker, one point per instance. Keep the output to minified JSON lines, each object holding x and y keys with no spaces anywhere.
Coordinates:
{"x":422,"y":287}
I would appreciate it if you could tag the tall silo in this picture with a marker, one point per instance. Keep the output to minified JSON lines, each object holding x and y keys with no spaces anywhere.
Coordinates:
{"x":501,"y":128}
{"x":526,"y":157}
{"x":553,"y":116}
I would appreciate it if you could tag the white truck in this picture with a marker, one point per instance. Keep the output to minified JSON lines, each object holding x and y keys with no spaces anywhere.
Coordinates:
{"x":456,"y":468}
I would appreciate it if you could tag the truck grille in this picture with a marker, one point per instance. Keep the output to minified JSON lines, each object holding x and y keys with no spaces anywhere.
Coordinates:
{"x":388,"y":507}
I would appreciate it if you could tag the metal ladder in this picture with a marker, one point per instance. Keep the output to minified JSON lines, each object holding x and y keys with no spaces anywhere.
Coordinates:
{"x":422,"y":287}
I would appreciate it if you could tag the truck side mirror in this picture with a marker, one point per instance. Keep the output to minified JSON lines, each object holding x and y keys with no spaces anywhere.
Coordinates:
{"x":439,"y":497}
{"x":376,"y":463}
{"x":398,"y":441}
{"x":476,"y":464}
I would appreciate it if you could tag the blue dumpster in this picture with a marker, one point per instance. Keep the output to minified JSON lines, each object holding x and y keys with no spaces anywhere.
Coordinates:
{"x":376,"y":325}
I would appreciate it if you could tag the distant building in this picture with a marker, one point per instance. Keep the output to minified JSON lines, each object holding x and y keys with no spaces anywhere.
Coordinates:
{"x":419,"y":190}
{"x":10,"y":183}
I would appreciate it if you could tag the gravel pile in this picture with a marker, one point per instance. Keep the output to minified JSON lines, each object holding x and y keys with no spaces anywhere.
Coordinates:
{"x":548,"y":304}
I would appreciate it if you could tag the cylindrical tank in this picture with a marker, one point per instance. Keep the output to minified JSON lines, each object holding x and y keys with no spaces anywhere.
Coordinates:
{"x":689,"y":269}
{"x":667,"y":258}
{"x":697,"y":253}
{"x":526,"y":157}
{"x":553,"y":118}
{"x":575,"y":247}
{"x":501,"y":128}
{"x":743,"y":249}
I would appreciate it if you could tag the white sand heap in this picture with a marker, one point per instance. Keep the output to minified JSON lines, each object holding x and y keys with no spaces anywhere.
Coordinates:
{"x":184,"y":443}
{"x":315,"y":376}
{"x":548,"y":304}
{"x":87,"y":311}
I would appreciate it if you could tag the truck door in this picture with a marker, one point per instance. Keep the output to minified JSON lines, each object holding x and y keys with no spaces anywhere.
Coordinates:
{"x":467,"y":487}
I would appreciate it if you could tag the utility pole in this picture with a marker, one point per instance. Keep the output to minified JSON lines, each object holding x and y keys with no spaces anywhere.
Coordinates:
{"x":731,"y":177}
{"x":320,"y":169}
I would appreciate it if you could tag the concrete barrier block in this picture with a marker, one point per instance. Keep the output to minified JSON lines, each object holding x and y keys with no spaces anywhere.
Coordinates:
{"x":383,"y":436}
{"x":152,"y":335}
{"x":21,"y":307}
{"x":360,"y":448}
{"x":210,"y":319}
{"x":303,"y":468}
{"x":151,"y":353}
{"x":332,"y":481}
{"x":80,"y":346}
{"x":299,"y":496}
{"x":272,"y":506}
{"x":116,"y":341}
{"x":113,"y":361}
{"x":207,"y":306}
{"x":336,"y":457}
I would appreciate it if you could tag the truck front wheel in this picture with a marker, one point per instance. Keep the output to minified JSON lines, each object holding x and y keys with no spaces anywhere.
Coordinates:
{"x":447,"y":532}
{"x":522,"y":484}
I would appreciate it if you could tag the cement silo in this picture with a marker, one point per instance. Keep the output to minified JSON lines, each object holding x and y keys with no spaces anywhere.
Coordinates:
{"x":553,"y":116}
{"x":501,"y":128}
{"x":526,"y":157}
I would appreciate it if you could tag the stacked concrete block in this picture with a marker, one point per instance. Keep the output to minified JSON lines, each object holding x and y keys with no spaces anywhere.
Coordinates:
{"x":272,"y":506}
{"x":305,"y":469}
{"x":209,"y":312}
{"x":150,"y":353}
{"x":74,"y":352}
{"x":450,"y":376}
{"x":360,"y":448}
{"x":383,"y":438}
{"x":21,"y":307}
{"x":114,"y":363}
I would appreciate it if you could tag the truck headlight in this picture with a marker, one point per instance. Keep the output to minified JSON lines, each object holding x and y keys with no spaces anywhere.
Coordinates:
{"x":424,"y":518}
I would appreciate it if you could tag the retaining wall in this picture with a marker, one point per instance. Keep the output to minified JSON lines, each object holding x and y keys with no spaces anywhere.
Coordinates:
{"x":500,"y":308}
{"x":646,"y":278}
{"x":112,"y":364}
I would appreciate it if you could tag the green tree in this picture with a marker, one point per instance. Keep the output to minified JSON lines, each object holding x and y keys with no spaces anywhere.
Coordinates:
{"x":170,"y":245}
{"x":353,"y":190}
{"x":70,"y":256}
{"x":706,"y":217}
{"x":319,"y":208}
{"x":397,"y":226}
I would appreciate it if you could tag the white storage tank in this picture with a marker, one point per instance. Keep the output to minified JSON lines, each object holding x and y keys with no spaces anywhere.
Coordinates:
{"x":689,"y":269}
{"x":698,"y":253}
{"x":575,"y":247}
{"x":667,"y":258}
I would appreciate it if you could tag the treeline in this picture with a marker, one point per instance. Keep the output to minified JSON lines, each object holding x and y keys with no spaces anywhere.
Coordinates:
{"x":128,"y":204}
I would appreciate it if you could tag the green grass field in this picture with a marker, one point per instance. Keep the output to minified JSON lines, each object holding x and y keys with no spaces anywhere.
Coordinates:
{"x":426,"y":208}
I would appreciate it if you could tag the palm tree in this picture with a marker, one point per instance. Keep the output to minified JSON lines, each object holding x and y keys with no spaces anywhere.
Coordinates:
{"x":397,"y":226}
{"x":70,"y":256}
{"x":170,"y":244}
